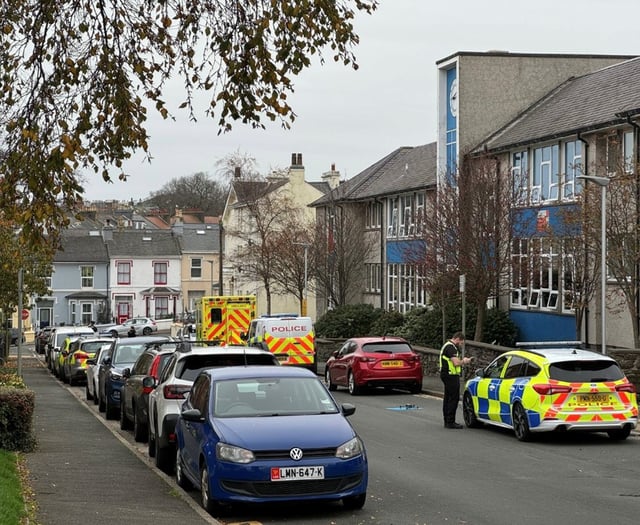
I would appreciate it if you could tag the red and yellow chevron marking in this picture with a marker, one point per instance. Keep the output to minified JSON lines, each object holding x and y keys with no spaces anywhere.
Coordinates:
{"x":300,"y":350}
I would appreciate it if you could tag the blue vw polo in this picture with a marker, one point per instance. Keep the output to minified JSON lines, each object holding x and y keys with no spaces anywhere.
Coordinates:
{"x":266,"y":434}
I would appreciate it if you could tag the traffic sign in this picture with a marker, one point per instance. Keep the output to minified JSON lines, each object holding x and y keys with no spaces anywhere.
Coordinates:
{"x":25,"y":314}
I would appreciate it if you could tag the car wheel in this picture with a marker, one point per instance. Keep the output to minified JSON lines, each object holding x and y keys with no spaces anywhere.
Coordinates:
{"x":208,"y":504}
{"x":354,"y":389}
{"x":354,"y":502}
{"x":146,"y":331}
{"x":468,"y":413}
{"x":140,"y":431}
{"x":95,"y":395}
{"x":71,"y":380}
{"x":113,"y":334}
{"x":520,"y":423}
{"x":125,"y":424}
{"x":164,"y":457}
{"x":110,"y":412}
{"x":327,"y":379}
{"x":620,"y":434}
{"x":101,"y":404}
{"x":87,"y":394}
{"x":415,"y":389}
{"x":181,"y":479}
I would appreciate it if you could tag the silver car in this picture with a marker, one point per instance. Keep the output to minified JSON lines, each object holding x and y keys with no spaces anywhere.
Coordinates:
{"x":139,"y":325}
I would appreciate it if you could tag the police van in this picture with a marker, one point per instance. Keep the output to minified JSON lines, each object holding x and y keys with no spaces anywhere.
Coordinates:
{"x":289,"y":337}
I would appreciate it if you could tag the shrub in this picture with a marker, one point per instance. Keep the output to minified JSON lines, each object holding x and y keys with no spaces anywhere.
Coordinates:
{"x":352,"y":320}
{"x":387,"y":323}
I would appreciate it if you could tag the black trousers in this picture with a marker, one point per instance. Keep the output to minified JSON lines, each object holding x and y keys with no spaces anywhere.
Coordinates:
{"x":451,"y":398}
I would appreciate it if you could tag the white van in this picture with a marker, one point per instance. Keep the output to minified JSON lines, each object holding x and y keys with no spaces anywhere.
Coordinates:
{"x":290,"y":338}
{"x":56,"y":340}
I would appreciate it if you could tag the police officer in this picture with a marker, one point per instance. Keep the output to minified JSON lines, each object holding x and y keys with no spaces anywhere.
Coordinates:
{"x":450,"y":368}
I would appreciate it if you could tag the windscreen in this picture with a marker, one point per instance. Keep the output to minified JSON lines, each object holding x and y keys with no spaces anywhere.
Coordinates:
{"x":387,"y":348}
{"x":585,"y":371}
{"x":189,"y":368}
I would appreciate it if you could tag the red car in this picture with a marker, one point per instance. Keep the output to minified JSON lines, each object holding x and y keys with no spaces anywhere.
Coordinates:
{"x":364,"y":362}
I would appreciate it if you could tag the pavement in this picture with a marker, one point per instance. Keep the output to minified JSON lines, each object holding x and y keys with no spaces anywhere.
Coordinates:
{"x":83,"y":471}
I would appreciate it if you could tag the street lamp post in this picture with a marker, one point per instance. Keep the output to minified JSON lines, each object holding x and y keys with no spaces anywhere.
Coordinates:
{"x":306,"y":289}
{"x":603,"y":182}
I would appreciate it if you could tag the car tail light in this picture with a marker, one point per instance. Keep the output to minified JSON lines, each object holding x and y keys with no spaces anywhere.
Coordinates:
{"x":626,"y":387}
{"x":550,"y":390}
{"x":175,"y":391}
{"x":80,"y":355}
{"x":147,"y":390}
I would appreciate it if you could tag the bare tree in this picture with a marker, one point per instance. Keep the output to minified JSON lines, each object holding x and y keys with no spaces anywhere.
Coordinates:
{"x":339,"y":251}
{"x":265,"y":212}
{"x":291,"y":246}
{"x":470,"y":234}
{"x":197,"y":191}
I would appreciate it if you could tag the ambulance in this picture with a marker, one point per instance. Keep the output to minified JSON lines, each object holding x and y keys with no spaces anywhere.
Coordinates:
{"x":224,"y":319}
{"x":289,"y":337}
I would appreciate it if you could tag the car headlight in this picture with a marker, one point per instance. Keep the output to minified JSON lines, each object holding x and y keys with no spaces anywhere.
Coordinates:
{"x":350,"y":449}
{"x":116,"y":376}
{"x":234,"y":454}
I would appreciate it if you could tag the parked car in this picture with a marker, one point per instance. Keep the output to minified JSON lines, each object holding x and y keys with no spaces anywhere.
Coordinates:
{"x":543,"y":390}
{"x":40,"y":341}
{"x":140,"y":325}
{"x":139,"y":382}
{"x":268,"y":434}
{"x":364,"y":362}
{"x":14,"y":336}
{"x":174,"y":383}
{"x":76,"y":359}
{"x":56,"y":341}
{"x":123,"y":354}
{"x":93,"y":366}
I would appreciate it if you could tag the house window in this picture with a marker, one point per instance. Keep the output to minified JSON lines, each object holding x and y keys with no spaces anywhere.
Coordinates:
{"x":374,"y":280}
{"x":392,"y":223}
{"x":374,"y":215}
{"x":535,"y":274}
{"x":406,"y":216}
{"x":160,"y":273}
{"x":87,"y":313}
{"x":162,"y":307}
{"x":419,"y":219}
{"x":629,"y":152}
{"x":545,"y":182}
{"x":572,"y":168}
{"x":124,"y":272}
{"x":520,"y":176}
{"x":86,"y":273}
{"x":196,"y":268}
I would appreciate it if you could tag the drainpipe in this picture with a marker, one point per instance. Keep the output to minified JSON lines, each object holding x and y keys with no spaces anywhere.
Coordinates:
{"x":636,"y":127}
{"x":585,"y":169}
{"x":383,"y":265}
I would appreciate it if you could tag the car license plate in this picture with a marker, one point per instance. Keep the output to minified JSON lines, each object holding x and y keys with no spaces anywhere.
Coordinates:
{"x":296,"y":473}
{"x":592,"y":399}
{"x":391,"y":364}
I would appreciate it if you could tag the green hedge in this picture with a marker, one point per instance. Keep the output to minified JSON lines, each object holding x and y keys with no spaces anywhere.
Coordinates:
{"x":420,"y":326}
{"x":16,"y":413}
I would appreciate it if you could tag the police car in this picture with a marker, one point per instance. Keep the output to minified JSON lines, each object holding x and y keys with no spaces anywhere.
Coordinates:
{"x":561,"y":389}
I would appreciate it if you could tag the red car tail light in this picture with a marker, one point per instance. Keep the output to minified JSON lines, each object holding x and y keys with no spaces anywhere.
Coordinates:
{"x":626,"y":387}
{"x":81,"y":355}
{"x":366,"y":359}
{"x":550,"y":390}
{"x":175,"y":391}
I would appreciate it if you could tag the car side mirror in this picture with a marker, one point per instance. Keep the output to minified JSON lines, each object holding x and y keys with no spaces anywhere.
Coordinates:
{"x":149,"y":382}
{"x":126,"y":373}
{"x":106,"y":360}
{"x":192,"y":414}
{"x":91,"y":361}
{"x":334,"y":353}
{"x":347,"y":409}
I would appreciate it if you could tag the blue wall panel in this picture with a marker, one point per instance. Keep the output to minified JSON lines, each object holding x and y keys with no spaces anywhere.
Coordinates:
{"x":543,"y":326}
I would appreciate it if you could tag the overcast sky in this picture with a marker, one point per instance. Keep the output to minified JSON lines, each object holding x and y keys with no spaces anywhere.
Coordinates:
{"x":353,"y":118}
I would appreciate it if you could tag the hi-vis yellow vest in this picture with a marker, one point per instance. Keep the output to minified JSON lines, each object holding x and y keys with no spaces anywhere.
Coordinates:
{"x":453,"y":369}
